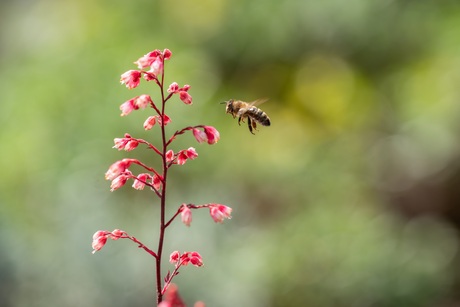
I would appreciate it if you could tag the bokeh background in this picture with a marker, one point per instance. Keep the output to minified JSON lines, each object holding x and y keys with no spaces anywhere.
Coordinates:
{"x":350,"y":198}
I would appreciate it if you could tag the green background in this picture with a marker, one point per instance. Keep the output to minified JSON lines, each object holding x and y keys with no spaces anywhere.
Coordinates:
{"x":350,"y":198}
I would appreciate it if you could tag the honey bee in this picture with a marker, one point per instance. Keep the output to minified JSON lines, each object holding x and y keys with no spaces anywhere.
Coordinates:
{"x":248,"y":110}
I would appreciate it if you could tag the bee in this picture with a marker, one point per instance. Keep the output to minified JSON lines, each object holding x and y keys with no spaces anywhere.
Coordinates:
{"x":248,"y":110}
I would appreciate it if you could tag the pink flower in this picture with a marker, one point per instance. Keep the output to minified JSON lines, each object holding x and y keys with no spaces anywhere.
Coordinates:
{"x":120,"y":143}
{"x":181,"y":157}
{"x":127,"y":143}
{"x":127,"y":107}
{"x":148,"y":59}
{"x":149,"y":76}
{"x":219,"y":212}
{"x":99,"y":240}
{"x":157,"y":181}
{"x":212,"y":134}
{"x":119,"y":181}
{"x":173,"y":88}
{"x":199,"y":135}
{"x":193,"y":257}
{"x":167,"y":54}
{"x":186,"y":215}
{"x":157,"y":67}
{"x":117,"y":168}
{"x":139,"y":182}
{"x":191,"y":153}
{"x":116,"y":234}
{"x":174,"y":257}
{"x":185,"y":97}
{"x":183,"y":92}
{"x":166,"y":120}
{"x":142,"y":101}
{"x":131,"y":145}
{"x":149,"y":122}
{"x":169,"y":155}
{"x":131,"y":78}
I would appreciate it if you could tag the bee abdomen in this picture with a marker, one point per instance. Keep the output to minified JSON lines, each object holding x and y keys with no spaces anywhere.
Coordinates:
{"x":260,"y":116}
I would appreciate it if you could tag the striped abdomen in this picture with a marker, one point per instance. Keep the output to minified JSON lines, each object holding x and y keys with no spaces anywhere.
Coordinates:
{"x":258,"y":115}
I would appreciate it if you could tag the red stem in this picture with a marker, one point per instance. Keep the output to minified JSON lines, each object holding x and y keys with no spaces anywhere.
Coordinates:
{"x":163,"y":194}
{"x":191,"y":206}
{"x":179,"y":132}
{"x":141,"y":245}
{"x":171,"y":276}
{"x":174,"y":216}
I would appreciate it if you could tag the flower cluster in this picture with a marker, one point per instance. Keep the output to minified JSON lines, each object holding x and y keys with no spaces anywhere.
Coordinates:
{"x":218,"y":212}
{"x":151,"y":68}
{"x":209,"y":135}
{"x":187,"y":257}
{"x":151,"y":120}
{"x":101,"y":236}
{"x":182,"y":91}
{"x":136,"y":103}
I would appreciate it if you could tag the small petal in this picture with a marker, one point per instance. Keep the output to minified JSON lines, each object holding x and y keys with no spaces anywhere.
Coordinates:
{"x":131,"y":78}
{"x":191,"y":153}
{"x":149,"y":76}
{"x":116,"y":234}
{"x":157,"y":181}
{"x":149,"y":122}
{"x":166,"y":120}
{"x":182,"y":157}
{"x":186,"y":215}
{"x":185,"y":88}
{"x":100,"y":233}
{"x":195,"y":259}
{"x":173,"y":88}
{"x":185,"y":97}
{"x":117,"y":168}
{"x":212,"y":134}
{"x":139,"y":182}
{"x":174,"y":257}
{"x":118,"y":182}
{"x":184,"y":259}
{"x":199,"y":135}
{"x":142,"y":101}
{"x":120,"y":143}
{"x":220,"y":212}
{"x":99,"y":240}
{"x":148,"y":59}
{"x":167,"y":54}
{"x":191,"y":257}
{"x":132,"y":144}
{"x":157,"y":67}
{"x":127,"y":107}
{"x":169,"y":155}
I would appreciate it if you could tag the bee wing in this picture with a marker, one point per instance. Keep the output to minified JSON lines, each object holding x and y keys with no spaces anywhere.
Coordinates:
{"x":258,"y":102}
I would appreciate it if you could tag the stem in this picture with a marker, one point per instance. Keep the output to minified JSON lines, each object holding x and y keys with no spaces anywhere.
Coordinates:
{"x":141,"y":245}
{"x":174,"y":216}
{"x":171,"y":276}
{"x":163,"y":194}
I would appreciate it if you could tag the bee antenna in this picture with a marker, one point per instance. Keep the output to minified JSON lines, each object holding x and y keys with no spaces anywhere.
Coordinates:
{"x":223,"y":102}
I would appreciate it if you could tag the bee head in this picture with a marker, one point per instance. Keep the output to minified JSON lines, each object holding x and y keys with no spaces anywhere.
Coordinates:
{"x":229,"y":107}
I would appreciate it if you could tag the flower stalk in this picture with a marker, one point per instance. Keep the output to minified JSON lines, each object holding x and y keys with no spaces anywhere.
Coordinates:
{"x":151,"y":68}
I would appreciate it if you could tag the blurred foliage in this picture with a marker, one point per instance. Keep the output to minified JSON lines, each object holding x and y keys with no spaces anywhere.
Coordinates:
{"x":350,"y":198}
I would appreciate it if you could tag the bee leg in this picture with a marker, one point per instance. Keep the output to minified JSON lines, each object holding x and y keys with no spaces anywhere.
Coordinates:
{"x":249,"y":125}
{"x":239,"y":121}
{"x":254,"y":125}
